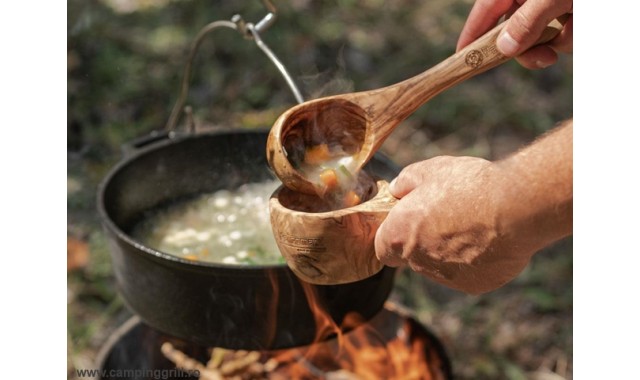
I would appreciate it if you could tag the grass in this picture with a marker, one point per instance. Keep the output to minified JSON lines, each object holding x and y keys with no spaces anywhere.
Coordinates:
{"x":124,"y":68}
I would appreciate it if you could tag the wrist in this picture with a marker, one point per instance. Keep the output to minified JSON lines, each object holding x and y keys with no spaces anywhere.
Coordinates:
{"x":516,"y":226}
{"x":535,"y":204}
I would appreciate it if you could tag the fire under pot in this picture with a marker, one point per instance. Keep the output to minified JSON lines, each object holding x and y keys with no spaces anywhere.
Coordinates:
{"x":391,"y":345}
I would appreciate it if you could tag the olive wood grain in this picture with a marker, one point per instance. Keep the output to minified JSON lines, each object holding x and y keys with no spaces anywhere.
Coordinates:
{"x":333,"y":247}
{"x":360,"y":122}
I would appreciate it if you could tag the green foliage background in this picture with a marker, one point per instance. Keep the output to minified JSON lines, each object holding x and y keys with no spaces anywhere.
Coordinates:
{"x":125,"y":62}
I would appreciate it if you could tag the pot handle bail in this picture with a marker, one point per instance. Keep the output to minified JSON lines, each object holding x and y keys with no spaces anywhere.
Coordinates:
{"x":248,"y":31}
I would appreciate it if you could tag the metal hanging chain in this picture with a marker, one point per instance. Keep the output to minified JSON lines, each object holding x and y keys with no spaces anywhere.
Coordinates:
{"x":249,"y":31}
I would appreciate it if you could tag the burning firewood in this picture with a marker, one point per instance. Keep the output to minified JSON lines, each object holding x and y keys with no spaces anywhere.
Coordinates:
{"x":225,"y":364}
{"x":400,"y":352}
{"x":217,"y":356}
{"x":183,"y":361}
{"x":241,"y":362}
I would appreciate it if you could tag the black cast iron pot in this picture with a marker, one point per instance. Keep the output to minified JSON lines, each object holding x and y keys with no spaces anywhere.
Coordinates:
{"x":248,"y":307}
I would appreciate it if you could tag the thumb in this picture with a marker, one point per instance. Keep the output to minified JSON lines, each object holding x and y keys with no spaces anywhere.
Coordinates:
{"x":527,"y":24}
{"x":402,"y":185}
{"x":409,"y":178}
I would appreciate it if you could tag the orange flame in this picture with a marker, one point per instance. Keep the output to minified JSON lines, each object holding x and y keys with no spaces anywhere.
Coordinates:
{"x":387,"y":347}
{"x":326,"y":327}
{"x":272,"y":307}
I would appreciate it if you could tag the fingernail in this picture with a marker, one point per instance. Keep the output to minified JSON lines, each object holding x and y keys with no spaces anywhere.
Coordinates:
{"x":542,"y":65}
{"x":392,"y":185}
{"x":507,"y":45}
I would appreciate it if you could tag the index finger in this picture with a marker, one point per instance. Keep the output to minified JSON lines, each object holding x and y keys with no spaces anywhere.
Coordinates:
{"x":483,"y":16}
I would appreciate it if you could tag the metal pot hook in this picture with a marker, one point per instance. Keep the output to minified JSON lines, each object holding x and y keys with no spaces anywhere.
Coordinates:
{"x":248,"y":31}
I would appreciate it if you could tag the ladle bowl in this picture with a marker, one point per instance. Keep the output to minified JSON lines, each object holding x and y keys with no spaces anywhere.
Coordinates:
{"x":360,"y":122}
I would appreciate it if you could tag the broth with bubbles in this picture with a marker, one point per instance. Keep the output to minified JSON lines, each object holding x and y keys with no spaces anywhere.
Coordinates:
{"x":226,"y":226}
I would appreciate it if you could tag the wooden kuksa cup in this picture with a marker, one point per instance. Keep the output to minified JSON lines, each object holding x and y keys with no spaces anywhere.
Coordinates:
{"x":332,"y":247}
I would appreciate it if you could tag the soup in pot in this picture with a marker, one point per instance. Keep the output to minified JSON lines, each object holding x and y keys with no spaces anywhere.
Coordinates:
{"x":227,"y":226}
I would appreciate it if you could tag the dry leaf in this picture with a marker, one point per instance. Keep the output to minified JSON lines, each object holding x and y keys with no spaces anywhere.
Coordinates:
{"x":77,"y":254}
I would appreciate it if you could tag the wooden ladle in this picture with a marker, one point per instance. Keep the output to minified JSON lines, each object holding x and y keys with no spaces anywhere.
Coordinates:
{"x":360,"y":122}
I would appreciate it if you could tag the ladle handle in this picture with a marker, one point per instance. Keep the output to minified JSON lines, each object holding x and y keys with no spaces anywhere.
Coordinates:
{"x":405,"y":97}
{"x":482,"y":54}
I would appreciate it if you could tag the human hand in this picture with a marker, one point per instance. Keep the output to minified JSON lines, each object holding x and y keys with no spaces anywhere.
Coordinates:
{"x":446,"y":225}
{"x":528,"y":19}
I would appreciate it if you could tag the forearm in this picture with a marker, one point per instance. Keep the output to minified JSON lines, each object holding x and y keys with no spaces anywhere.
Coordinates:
{"x":537,"y":192}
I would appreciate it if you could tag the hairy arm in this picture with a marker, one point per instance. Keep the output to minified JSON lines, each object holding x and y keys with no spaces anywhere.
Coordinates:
{"x":538,"y":192}
{"x":473,"y":225}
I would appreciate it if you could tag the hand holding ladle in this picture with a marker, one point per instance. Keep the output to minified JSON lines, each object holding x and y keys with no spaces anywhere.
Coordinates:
{"x":360,"y":122}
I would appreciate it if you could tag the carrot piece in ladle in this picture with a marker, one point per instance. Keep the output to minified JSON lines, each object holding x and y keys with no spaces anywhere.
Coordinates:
{"x":329,"y":179}
{"x":351,"y":199}
{"x":317,"y":154}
